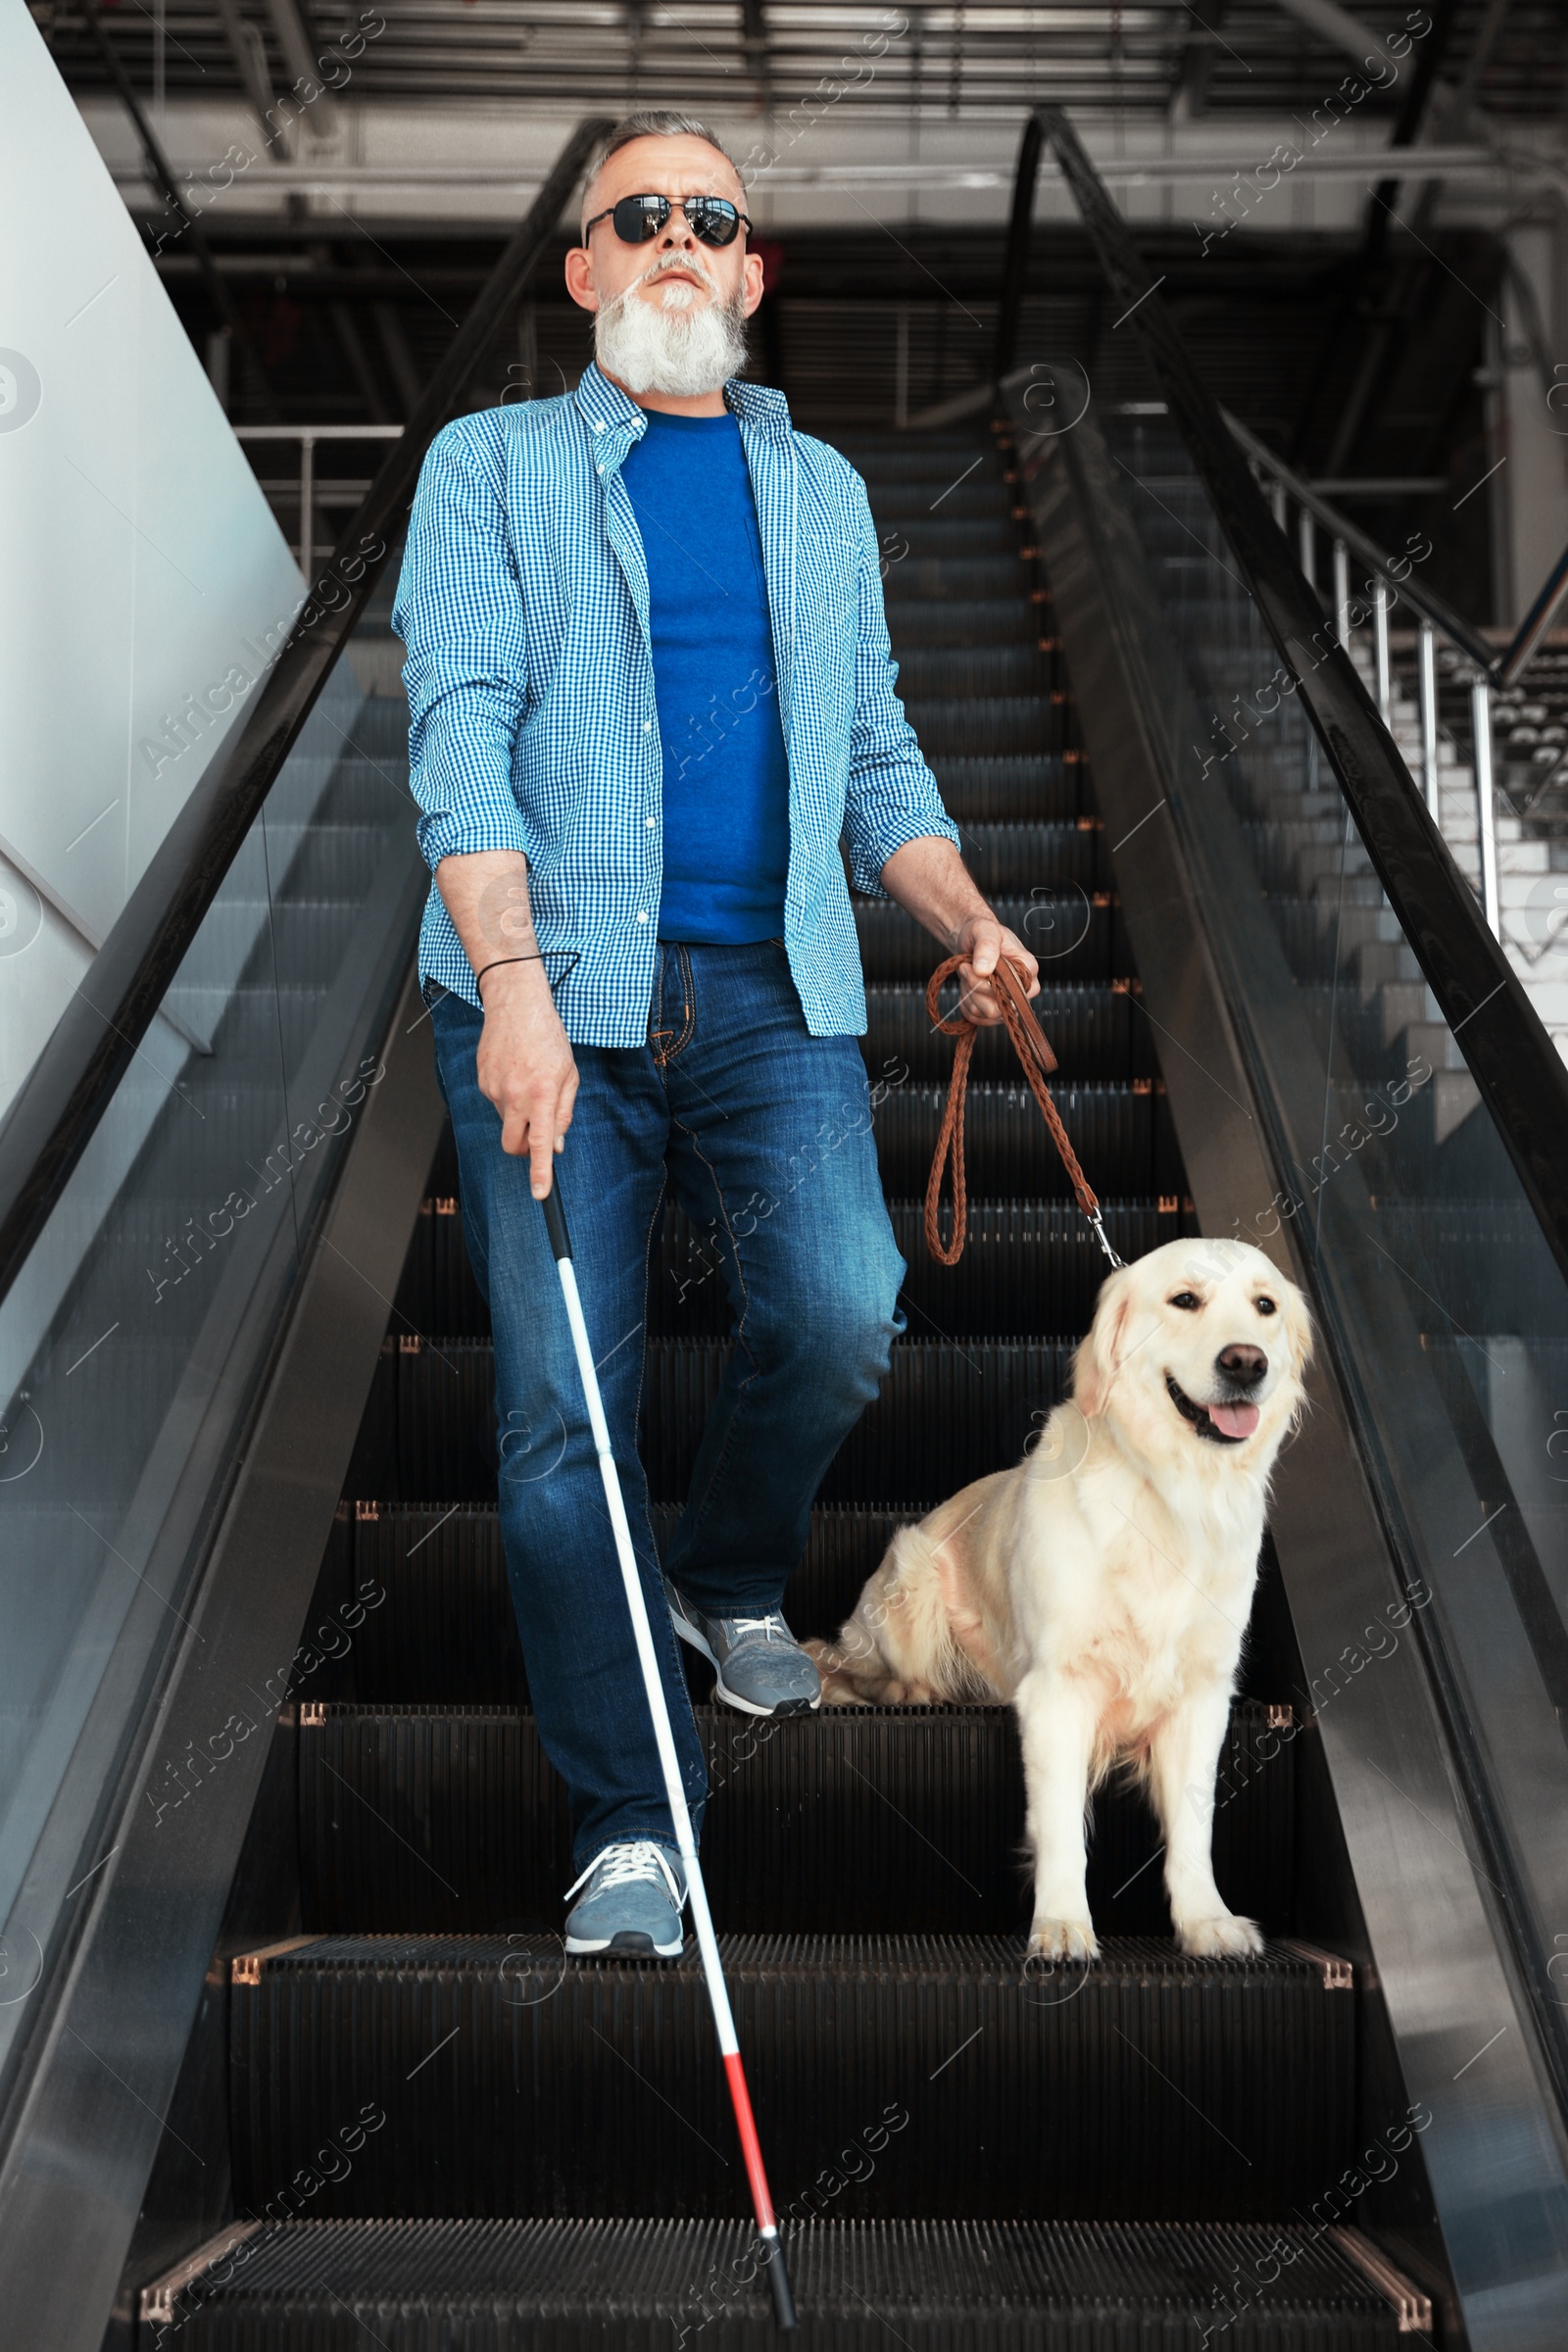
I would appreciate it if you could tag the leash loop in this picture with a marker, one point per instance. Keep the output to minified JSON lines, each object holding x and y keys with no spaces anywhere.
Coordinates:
{"x":1038,"y":1063}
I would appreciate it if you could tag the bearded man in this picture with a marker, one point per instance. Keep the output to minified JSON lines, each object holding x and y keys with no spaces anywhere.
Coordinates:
{"x":650,"y":686}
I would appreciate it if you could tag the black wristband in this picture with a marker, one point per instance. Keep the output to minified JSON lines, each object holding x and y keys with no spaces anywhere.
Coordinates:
{"x":496,"y":967}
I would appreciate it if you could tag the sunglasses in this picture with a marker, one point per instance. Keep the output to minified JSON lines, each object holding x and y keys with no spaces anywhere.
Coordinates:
{"x":711,"y":220}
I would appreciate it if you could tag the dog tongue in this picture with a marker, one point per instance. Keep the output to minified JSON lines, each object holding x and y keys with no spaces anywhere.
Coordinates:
{"x":1234,"y":1420}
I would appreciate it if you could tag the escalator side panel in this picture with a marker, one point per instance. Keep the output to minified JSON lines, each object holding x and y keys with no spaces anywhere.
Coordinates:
{"x":124,"y":2018}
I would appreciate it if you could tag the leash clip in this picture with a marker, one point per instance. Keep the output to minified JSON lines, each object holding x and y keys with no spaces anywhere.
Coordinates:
{"x":1103,"y":1239}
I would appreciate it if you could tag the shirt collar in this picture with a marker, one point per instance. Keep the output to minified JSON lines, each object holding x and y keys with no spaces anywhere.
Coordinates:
{"x":608,"y":410}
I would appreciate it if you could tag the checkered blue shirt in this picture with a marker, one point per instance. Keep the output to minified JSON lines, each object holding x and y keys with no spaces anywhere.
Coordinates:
{"x":523,"y":608}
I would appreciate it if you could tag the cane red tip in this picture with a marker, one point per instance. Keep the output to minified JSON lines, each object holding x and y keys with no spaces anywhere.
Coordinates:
{"x":751,"y":2146}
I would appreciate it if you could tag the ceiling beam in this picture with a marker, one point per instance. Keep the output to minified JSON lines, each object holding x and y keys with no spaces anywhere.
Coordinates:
{"x":754,"y":47}
{"x":301,"y":56}
{"x":1342,"y":31}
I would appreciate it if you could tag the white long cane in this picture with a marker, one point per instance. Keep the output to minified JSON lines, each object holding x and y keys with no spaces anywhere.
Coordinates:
{"x":702,"y":1919}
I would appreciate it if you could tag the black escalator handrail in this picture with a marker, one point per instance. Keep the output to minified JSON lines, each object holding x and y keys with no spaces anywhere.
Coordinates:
{"x":1509,"y":1054}
{"x":1016,"y":261}
{"x":64,"y":1096}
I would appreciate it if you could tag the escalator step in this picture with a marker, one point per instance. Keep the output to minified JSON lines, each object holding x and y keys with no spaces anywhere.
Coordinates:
{"x":920,"y":575}
{"x":428,"y":1586}
{"x":1012,"y":722}
{"x":1028,"y":1266}
{"x":379,"y":729}
{"x":653,"y":2286}
{"x":1011,"y":860}
{"x":978,"y":620}
{"x":437,"y":1292}
{"x":989,"y":537}
{"x":953,"y":489}
{"x":1072,"y":927}
{"x":517,"y":2081}
{"x":1095,"y":1032}
{"x":856,"y":1820}
{"x":1017,"y":787}
{"x":927,"y":671}
{"x":1122,"y":1140}
{"x":949,"y":1411}
{"x":1120,"y":1130}
{"x":334,"y":862}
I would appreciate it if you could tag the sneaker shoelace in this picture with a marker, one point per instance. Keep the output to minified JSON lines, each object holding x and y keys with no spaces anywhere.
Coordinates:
{"x":638,"y":1862}
{"x":766,"y":1626}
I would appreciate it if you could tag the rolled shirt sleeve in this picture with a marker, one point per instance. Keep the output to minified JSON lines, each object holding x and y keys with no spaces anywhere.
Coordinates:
{"x":892,"y":795}
{"x":460,"y":616}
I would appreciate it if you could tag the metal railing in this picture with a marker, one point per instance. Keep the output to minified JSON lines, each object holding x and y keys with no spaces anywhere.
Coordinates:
{"x":309,"y":437}
{"x":1294,"y":498}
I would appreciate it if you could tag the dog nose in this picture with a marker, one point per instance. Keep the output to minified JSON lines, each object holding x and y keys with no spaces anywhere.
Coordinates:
{"x":1244,"y":1364}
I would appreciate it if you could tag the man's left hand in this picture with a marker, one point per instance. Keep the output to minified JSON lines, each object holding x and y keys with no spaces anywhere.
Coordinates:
{"x":982,"y":942}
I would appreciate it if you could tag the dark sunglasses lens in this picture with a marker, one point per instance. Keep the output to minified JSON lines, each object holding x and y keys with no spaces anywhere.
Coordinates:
{"x":636,"y":218}
{"x":713,"y":219}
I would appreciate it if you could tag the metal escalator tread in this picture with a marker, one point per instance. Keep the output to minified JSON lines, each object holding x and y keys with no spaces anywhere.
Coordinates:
{"x":972,"y":669}
{"x":1094,"y":1028}
{"x":1119,"y":1127}
{"x":972,"y":620}
{"x":965,"y":539}
{"x":980,"y":723}
{"x":1035,"y":787}
{"x":917,"y":575}
{"x":448,"y":1632}
{"x":526,"y":2084}
{"x":1026,"y":1264}
{"x":1025,"y":851}
{"x":949,"y":1410}
{"x":853,"y":1821}
{"x":1117,"y":1132}
{"x":1072,"y":924}
{"x":1016,"y":1177}
{"x":932,"y":2285}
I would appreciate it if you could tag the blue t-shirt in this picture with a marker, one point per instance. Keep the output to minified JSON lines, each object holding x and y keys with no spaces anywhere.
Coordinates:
{"x":726,"y":777}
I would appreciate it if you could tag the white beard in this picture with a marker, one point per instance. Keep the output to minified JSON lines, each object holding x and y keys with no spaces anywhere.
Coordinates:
{"x":680,"y":345}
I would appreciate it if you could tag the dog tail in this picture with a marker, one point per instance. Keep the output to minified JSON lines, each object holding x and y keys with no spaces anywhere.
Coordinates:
{"x":897,"y":1648}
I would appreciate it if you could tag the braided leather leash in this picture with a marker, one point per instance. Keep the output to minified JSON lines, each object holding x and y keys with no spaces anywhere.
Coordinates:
{"x":1037,"y":1060}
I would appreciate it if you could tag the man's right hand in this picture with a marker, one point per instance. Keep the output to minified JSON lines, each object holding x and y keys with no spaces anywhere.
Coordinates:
{"x":526,"y":1067}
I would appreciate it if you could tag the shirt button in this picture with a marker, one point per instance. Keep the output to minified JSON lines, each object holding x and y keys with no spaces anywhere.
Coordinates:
{"x":650,"y":822}
{"x":599,"y":425}
{"x":640,"y":917}
{"x":648,"y":726}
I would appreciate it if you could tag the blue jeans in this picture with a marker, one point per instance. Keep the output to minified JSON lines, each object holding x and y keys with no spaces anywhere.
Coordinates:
{"x":763,"y":1133}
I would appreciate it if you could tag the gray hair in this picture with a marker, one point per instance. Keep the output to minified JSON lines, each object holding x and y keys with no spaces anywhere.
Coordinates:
{"x":651,"y":122}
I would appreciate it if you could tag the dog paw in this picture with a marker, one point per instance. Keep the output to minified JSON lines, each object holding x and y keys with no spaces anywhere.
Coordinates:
{"x":1223,"y":1936}
{"x":1063,"y":1939}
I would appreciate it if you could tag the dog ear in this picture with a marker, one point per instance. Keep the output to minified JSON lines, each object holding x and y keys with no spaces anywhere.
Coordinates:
{"x":1299,"y":1332}
{"x":1099,"y":1357}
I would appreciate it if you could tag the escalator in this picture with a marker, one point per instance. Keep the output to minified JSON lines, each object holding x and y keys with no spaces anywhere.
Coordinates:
{"x":376,"y":2103}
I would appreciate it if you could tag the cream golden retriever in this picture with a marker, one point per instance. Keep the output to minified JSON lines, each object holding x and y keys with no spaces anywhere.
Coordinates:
{"x":1103,"y":1586}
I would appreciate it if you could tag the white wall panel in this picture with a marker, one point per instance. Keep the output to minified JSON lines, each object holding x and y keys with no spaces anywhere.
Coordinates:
{"x":141,"y":570}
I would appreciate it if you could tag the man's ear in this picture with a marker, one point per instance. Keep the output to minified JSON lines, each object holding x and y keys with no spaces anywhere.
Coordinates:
{"x":579,"y":275}
{"x":1099,"y":1357}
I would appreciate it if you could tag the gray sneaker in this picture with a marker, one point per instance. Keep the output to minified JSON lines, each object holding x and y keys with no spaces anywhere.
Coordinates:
{"x":633,"y":1903}
{"x":761,"y":1668}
